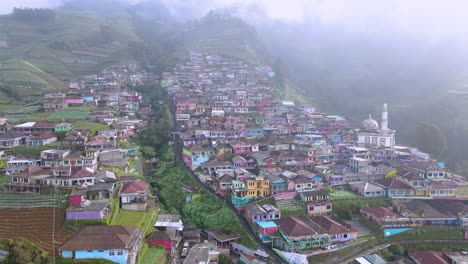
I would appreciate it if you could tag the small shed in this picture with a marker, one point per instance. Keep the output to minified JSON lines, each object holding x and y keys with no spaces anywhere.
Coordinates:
{"x":222,"y":237}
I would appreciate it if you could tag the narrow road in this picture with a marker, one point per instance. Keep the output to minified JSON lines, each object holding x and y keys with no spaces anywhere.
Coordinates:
{"x":251,"y":233}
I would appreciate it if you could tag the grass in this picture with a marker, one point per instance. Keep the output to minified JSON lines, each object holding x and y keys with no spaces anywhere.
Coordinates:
{"x":130,"y":218}
{"x":40,"y":56}
{"x":428,"y":234}
{"x":154,"y":255}
{"x":136,"y":219}
{"x":293,"y":212}
{"x":89,"y":125}
{"x":68,"y":115}
{"x":343,"y":194}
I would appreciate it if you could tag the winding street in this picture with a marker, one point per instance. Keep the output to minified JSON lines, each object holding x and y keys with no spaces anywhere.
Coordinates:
{"x":178,"y":153}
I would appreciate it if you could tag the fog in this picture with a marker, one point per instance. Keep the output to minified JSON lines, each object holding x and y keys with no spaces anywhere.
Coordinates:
{"x":430,"y":19}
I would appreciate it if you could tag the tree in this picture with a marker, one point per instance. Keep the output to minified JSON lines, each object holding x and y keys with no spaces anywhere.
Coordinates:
{"x":428,"y":138}
{"x":148,"y":151}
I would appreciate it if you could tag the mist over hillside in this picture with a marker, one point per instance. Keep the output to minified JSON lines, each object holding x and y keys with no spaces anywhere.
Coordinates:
{"x":343,"y":61}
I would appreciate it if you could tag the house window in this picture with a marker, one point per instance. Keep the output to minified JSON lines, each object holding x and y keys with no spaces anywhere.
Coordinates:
{"x":89,"y":251}
{"x":328,"y":206}
{"x":311,"y":208}
{"x":100,"y":250}
{"x":120,"y":252}
{"x":345,"y":236}
{"x":383,"y":141}
{"x":111,"y":252}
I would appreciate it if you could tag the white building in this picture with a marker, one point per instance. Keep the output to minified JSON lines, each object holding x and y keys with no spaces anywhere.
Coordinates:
{"x":370,"y":135}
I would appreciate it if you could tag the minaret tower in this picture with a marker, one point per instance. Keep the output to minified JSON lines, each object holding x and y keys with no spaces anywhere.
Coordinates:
{"x":384,"y":123}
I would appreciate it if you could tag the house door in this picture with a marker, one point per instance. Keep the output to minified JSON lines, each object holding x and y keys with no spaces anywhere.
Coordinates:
{"x":73,"y":254}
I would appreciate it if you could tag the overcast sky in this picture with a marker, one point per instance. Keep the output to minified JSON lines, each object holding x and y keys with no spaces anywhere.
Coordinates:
{"x":436,"y":18}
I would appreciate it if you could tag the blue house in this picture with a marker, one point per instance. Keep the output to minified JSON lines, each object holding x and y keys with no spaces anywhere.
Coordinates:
{"x":88,"y":98}
{"x":254,"y":132}
{"x":369,"y":189}
{"x":334,"y":138}
{"x":317,"y":180}
{"x":117,"y":243}
{"x":277,"y":184}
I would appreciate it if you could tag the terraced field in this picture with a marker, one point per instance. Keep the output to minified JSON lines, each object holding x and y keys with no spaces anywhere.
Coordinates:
{"x":8,"y":200}
{"x":35,"y":225}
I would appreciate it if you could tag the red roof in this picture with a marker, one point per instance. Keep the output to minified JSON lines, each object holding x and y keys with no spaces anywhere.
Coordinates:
{"x":380,"y":212}
{"x":134,"y":187}
{"x":44,"y":124}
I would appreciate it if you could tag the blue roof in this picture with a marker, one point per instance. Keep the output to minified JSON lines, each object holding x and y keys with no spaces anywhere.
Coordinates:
{"x":266,"y":224}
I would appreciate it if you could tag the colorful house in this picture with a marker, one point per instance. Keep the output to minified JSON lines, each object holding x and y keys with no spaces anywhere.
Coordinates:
{"x":162,"y":239}
{"x":339,"y":231}
{"x":12,"y":139}
{"x":256,"y":213}
{"x":116,"y":243}
{"x":239,"y":194}
{"x":302,"y":183}
{"x":384,"y":217}
{"x":266,"y":229}
{"x":278,"y":184}
{"x":241,"y":148}
{"x":298,"y":233}
{"x":195,"y":155}
{"x":246,"y":163}
{"x":77,"y":196}
{"x":74,"y":100}
{"x":215,"y":165}
{"x":253,"y":132}
{"x":87,"y":210}
{"x":318,"y":202}
{"x":258,"y":187}
{"x":62,"y":127}
{"x":40,"y":140}
{"x":368,"y":189}
{"x":134,"y":195}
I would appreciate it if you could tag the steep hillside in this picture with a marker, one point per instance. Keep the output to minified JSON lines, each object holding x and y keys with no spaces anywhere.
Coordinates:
{"x":39,"y":55}
{"x":224,"y":34}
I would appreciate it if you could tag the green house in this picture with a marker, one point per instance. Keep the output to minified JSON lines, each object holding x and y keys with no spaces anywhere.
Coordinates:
{"x":62,"y":127}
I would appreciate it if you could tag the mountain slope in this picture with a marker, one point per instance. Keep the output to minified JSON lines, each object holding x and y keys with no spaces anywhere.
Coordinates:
{"x":68,"y":45}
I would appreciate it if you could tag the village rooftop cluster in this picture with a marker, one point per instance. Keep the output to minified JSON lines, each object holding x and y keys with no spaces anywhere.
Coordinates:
{"x":249,"y":146}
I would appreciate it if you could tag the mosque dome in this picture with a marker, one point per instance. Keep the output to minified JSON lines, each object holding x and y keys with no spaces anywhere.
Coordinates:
{"x":369,"y":124}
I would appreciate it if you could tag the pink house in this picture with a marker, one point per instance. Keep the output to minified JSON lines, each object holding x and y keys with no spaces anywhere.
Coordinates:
{"x":242,"y":148}
{"x":267,"y":227}
{"x":74,"y":100}
{"x":76,"y":196}
{"x":162,"y":239}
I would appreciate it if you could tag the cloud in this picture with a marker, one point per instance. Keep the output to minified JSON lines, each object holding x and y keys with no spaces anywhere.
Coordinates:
{"x":6,"y":6}
{"x":428,"y":18}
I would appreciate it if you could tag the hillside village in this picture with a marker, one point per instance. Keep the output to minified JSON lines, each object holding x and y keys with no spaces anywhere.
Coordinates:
{"x":288,"y":169}
{"x":285,"y":166}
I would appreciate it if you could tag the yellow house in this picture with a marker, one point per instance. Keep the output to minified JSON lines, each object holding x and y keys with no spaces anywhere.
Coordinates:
{"x":258,"y":187}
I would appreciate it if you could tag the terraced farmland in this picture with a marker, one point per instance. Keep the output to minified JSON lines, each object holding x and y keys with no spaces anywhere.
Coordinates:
{"x":35,"y":225}
{"x":8,"y":200}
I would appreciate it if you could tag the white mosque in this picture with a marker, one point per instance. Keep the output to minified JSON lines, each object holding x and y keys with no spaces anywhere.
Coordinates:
{"x":370,"y":135}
